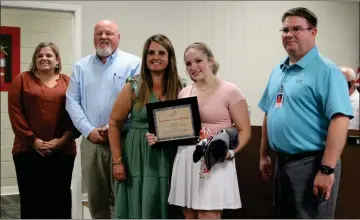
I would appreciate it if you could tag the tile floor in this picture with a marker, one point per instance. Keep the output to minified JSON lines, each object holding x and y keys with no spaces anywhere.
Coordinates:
{"x":10,"y":207}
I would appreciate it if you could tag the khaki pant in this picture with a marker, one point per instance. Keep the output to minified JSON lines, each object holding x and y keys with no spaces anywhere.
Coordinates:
{"x":97,"y":174}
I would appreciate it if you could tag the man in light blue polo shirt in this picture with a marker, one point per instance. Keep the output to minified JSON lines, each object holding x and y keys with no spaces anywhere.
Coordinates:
{"x":307,"y":112}
{"x":94,"y":85}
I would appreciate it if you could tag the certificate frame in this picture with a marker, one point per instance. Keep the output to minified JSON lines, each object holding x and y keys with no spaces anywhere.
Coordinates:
{"x":190,"y":105}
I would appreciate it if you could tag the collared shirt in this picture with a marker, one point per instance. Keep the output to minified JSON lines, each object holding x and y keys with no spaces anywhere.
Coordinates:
{"x":314,"y":89}
{"x":355,"y":122}
{"x":94,"y":87}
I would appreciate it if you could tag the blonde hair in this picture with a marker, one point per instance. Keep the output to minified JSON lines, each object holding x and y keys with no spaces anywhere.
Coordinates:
{"x":207,"y":51}
{"x":53,"y":47}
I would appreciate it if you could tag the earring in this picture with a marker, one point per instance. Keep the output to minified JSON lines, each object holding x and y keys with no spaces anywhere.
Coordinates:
{"x":57,"y":66}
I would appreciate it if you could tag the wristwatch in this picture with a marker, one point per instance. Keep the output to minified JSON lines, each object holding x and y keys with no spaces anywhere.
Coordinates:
{"x":326,"y":169}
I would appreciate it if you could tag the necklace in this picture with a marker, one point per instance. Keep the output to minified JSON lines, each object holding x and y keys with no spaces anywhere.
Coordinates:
{"x":194,"y":85}
{"x":201,"y":89}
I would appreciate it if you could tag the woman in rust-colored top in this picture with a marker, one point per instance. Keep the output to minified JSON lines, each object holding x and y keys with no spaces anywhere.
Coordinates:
{"x":44,"y":147}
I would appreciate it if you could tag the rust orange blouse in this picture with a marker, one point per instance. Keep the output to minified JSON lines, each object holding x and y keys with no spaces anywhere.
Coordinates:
{"x":37,"y":111}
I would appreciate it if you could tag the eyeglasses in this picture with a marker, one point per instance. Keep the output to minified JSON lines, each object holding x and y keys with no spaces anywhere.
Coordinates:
{"x":294,"y":30}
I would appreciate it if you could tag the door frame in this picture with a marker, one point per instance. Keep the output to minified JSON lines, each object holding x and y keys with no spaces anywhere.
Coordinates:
{"x":76,"y":183}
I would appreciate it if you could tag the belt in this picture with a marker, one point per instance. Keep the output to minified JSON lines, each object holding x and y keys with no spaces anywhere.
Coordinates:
{"x":293,"y":157}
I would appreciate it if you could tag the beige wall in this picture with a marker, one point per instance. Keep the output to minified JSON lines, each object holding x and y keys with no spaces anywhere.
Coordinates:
{"x":243,"y":35}
{"x":36,"y":26}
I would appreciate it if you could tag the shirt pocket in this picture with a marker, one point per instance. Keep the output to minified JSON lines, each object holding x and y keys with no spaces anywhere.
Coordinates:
{"x":118,"y":83}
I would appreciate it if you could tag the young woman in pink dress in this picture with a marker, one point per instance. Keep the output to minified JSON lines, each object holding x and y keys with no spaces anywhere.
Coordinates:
{"x":200,"y":192}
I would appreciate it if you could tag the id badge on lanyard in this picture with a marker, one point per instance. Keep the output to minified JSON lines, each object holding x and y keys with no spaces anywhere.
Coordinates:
{"x":279,"y":98}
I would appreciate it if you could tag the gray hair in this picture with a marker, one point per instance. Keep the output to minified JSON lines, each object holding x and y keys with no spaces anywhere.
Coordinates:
{"x":348,"y":70}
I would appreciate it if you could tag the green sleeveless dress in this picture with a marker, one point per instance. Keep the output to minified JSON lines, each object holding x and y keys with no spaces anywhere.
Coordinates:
{"x":145,"y":191}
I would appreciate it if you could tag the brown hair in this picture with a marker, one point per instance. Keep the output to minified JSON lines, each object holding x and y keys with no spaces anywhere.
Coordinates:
{"x":207,"y":51}
{"x":302,"y":12}
{"x":172,"y":84}
{"x":54,"y":48}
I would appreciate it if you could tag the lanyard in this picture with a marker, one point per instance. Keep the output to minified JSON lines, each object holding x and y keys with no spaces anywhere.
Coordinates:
{"x":281,"y":86}
{"x":283,"y":79}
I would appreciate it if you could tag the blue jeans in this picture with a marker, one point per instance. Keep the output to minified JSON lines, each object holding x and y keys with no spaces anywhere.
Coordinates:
{"x":293,"y":189}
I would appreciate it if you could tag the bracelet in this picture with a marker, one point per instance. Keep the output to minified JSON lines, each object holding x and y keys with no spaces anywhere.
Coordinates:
{"x":118,"y":161}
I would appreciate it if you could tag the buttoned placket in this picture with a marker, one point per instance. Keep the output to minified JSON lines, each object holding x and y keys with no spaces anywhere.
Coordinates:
{"x":102,"y":88}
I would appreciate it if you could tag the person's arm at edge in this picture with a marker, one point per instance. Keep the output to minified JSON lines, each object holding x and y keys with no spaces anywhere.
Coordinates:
{"x":118,"y":116}
{"x":73,"y":104}
{"x":18,"y":122}
{"x":240,"y":116}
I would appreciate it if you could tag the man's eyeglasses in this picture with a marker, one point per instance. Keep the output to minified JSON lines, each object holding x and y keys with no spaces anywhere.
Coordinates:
{"x":293,"y":30}
{"x":349,"y":84}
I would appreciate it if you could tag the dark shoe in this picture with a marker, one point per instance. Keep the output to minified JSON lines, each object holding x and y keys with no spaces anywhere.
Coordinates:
{"x":200,"y":149}
{"x":217,"y":149}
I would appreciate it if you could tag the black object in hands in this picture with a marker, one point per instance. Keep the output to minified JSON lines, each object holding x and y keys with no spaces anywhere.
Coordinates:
{"x":200,"y":149}
{"x":215,"y":148}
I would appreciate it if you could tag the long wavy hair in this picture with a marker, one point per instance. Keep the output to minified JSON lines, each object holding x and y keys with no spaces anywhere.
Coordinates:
{"x":171,"y":85}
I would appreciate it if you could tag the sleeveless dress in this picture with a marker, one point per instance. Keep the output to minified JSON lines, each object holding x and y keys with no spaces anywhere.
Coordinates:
{"x":145,"y":191}
{"x":192,"y":185}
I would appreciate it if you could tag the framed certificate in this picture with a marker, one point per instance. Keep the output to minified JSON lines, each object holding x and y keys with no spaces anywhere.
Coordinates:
{"x":175,"y":121}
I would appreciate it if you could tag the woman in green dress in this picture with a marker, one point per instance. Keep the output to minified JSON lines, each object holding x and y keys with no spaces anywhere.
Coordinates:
{"x":142,"y":172}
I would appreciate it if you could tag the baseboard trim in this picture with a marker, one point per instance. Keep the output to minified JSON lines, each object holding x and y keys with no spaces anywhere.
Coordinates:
{"x":9,"y":190}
